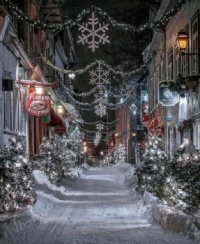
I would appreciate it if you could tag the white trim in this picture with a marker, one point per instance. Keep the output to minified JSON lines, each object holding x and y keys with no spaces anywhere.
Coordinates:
{"x":5,"y":26}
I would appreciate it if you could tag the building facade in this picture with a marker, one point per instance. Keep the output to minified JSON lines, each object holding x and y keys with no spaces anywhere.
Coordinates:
{"x":21,"y":68}
{"x":180,"y":72}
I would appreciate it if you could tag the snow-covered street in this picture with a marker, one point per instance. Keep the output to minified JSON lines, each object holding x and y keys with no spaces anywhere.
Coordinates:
{"x":97,"y":208}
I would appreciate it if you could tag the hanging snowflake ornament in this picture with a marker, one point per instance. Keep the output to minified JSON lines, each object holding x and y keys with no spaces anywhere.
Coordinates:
{"x":100,"y":110}
{"x":93,"y":33}
{"x":99,"y":126}
{"x":97,"y":138}
{"x":99,"y":77}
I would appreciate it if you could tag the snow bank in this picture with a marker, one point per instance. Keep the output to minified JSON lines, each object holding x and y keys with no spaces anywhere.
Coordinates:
{"x":172,"y":219}
{"x":42,"y":179}
{"x":77,"y":172}
{"x":128,"y":171}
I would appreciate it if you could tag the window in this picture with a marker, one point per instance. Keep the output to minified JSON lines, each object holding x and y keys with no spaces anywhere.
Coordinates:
{"x":177,"y":61}
{"x":185,"y":59}
{"x":194,"y":45}
{"x":12,"y":119}
{"x":170,"y":64}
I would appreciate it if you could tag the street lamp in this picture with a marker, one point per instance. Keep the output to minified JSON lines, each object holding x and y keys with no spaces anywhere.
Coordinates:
{"x":71,"y":76}
{"x":183,"y":40}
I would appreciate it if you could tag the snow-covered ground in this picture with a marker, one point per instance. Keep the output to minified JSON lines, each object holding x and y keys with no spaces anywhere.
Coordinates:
{"x":97,"y":208}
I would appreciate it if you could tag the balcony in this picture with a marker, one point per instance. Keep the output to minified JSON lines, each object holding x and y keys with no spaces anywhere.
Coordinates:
{"x":50,"y":11}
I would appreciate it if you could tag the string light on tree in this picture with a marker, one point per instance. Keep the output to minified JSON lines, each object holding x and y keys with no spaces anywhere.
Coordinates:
{"x":119,"y":153}
{"x":17,"y":187}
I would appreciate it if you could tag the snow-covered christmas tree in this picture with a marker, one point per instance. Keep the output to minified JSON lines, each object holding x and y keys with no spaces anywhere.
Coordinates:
{"x":17,"y":188}
{"x":58,"y":154}
{"x":119,"y":154}
{"x":175,"y":181}
{"x":153,"y":166}
{"x":50,"y":159}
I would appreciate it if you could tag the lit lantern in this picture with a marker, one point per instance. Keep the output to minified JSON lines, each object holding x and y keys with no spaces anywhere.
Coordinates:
{"x":71,"y":76}
{"x":38,"y":90}
{"x":60,"y":109}
{"x":182,"y":40}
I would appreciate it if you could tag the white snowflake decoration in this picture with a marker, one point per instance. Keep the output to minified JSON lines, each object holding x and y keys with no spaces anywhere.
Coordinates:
{"x":97,"y":138}
{"x":99,"y":76}
{"x":100,"y":110}
{"x":99,"y":126}
{"x":93,"y":36}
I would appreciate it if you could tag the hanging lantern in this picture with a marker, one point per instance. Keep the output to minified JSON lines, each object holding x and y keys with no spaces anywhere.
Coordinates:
{"x":60,"y":109}
{"x":38,"y":90}
{"x":182,"y":40}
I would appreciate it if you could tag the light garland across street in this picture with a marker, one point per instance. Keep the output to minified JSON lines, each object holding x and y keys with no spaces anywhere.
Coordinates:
{"x":89,"y":66}
{"x":70,"y":23}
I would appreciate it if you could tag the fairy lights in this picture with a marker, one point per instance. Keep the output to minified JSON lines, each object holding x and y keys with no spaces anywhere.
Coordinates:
{"x":89,"y":66}
{"x":70,"y":23}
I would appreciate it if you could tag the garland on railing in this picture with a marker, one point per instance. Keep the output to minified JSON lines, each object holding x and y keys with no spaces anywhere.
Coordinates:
{"x":70,"y":23}
{"x":89,"y":66}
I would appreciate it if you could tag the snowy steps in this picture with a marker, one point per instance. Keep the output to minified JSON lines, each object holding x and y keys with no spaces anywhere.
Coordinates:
{"x":98,"y":208}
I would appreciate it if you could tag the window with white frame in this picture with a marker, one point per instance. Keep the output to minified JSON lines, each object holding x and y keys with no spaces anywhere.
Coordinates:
{"x":185,"y":60}
{"x":177,"y":61}
{"x":8,"y":110}
{"x":195,"y":44}
{"x":12,"y":119}
{"x":170,"y":64}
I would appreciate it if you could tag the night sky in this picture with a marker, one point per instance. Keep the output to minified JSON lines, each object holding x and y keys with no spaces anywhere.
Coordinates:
{"x":124,"y":52}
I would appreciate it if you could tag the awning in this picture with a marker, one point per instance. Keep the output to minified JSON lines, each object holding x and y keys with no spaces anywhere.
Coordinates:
{"x":72,"y":111}
{"x":55,"y":119}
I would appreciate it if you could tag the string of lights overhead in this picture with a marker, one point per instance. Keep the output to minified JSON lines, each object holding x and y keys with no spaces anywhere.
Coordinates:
{"x":101,"y":122}
{"x":72,"y":22}
{"x":89,"y":66}
{"x":91,"y":105}
{"x":87,"y":94}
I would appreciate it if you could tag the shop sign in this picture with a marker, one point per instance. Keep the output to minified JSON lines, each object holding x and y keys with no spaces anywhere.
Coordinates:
{"x":166,"y":96}
{"x":38,"y":104}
